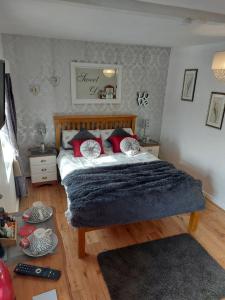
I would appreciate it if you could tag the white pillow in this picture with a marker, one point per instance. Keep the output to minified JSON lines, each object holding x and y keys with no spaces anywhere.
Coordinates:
{"x":130,"y":146}
{"x":90,"y":149}
{"x":105,"y":134}
{"x":67,"y":136}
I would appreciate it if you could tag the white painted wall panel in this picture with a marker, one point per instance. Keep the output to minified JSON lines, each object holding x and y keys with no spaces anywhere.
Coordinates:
{"x":185,"y":140}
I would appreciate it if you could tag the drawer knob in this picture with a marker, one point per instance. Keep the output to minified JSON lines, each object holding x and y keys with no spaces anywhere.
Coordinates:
{"x":44,"y":177}
{"x":43,"y":160}
{"x":43,"y":169}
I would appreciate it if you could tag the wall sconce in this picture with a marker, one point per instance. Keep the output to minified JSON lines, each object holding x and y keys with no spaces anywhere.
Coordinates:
{"x":218,"y":65}
{"x":34,"y":89}
{"x":54,"y":80}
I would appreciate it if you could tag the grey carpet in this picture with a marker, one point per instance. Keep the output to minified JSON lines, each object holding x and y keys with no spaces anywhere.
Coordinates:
{"x":174,"y":268}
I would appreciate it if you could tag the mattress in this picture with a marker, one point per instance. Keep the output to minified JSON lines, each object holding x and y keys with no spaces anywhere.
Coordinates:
{"x":67,"y":163}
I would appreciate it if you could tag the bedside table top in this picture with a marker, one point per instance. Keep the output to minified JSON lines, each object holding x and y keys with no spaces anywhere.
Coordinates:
{"x":36,"y":151}
{"x":150,"y":143}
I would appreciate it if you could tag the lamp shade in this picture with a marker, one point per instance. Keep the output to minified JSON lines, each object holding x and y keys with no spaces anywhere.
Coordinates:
{"x":218,"y":65}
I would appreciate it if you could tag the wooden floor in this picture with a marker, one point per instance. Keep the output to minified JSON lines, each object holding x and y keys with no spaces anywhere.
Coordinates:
{"x":85,"y":277}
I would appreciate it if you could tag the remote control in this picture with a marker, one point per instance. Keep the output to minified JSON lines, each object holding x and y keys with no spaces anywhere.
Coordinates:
{"x":31,"y":270}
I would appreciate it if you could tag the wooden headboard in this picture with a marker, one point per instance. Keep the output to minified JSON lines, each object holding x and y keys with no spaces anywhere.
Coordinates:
{"x":68,"y":122}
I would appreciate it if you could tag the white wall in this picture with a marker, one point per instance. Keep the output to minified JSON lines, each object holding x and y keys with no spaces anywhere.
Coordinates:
{"x":7,"y":185}
{"x":1,"y":48}
{"x":185,"y":140}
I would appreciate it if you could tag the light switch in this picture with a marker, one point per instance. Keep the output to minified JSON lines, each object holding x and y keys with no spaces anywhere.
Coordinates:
{"x":147,"y":123}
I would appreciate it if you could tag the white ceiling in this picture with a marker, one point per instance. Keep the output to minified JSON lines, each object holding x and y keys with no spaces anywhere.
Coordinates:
{"x":217,"y":6}
{"x":119,"y":21}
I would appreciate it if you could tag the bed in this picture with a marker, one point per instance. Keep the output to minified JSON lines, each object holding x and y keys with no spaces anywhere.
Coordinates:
{"x":116,"y":189}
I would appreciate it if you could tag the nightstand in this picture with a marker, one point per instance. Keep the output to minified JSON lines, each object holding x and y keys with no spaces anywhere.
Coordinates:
{"x":151,"y":147}
{"x":43,"y":166}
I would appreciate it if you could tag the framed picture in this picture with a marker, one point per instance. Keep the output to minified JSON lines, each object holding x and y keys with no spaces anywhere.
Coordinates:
{"x":189,"y":82}
{"x":216,"y":110}
{"x":95,"y":83}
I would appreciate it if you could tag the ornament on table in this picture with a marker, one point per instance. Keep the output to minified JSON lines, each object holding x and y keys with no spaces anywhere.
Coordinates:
{"x":4,"y":217}
{"x":7,"y":224}
{"x":26,"y":216}
{"x":37,"y":213}
{"x":42,"y":242}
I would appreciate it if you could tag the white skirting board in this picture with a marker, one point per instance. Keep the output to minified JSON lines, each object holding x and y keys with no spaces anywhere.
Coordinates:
{"x":210,"y":198}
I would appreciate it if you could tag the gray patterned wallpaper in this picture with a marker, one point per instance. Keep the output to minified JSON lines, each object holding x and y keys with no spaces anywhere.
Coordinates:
{"x":34,"y":60}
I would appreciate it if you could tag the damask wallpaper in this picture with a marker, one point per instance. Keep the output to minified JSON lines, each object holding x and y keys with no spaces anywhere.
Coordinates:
{"x":33,"y":61}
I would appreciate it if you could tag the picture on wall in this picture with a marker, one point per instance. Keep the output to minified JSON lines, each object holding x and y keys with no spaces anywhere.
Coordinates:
{"x":216,"y":110}
{"x":189,"y":82}
{"x":95,"y":83}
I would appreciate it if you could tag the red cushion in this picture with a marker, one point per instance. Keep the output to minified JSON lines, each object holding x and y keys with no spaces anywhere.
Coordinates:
{"x":116,"y":140}
{"x":77,"y":143}
{"x":76,"y":147}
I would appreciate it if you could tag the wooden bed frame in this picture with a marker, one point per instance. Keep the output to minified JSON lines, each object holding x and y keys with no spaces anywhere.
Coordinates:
{"x":69,"y":122}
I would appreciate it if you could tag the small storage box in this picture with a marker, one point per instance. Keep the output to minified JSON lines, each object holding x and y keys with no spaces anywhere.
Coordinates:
{"x":8,"y":242}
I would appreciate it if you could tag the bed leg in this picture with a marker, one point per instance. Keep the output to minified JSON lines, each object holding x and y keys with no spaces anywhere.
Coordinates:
{"x":81,"y":242}
{"x":193,"y":221}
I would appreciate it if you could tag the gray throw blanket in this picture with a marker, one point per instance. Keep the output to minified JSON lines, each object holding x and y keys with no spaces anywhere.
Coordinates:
{"x":130,"y":192}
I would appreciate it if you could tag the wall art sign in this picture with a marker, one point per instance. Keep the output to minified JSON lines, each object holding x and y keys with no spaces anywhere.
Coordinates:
{"x":216,"y":110}
{"x":95,"y":83}
{"x":142,"y":98}
{"x":189,"y":83}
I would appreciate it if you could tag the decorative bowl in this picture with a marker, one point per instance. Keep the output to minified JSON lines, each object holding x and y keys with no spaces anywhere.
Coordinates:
{"x":47,"y":213}
{"x":48,"y":250}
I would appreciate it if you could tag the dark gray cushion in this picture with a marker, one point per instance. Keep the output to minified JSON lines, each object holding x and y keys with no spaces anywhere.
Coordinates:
{"x":83,"y":134}
{"x":119,"y":132}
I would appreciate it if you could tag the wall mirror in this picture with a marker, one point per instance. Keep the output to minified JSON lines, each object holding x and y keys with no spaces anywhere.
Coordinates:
{"x":95,"y":83}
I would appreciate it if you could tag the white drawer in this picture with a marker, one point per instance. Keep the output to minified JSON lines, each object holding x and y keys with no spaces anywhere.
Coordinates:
{"x":42,"y":169}
{"x":41,"y":160}
{"x":43,"y":177}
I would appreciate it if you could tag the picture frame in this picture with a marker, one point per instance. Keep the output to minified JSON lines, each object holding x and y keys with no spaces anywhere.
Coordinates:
{"x":216,"y":110}
{"x":109,"y":92}
{"x":189,"y":84}
{"x":89,"y":83}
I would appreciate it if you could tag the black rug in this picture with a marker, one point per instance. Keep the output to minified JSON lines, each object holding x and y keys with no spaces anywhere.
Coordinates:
{"x":174,"y":268}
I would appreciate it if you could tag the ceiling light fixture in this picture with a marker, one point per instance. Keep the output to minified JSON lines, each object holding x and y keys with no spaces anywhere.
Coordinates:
{"x":218,"y":65}
{"x":109,"y":72}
